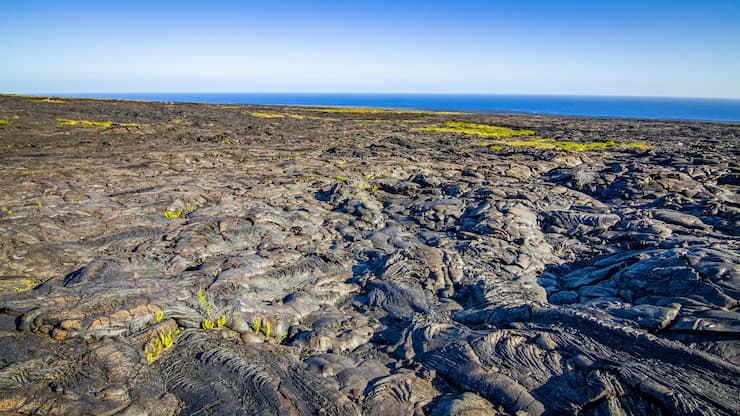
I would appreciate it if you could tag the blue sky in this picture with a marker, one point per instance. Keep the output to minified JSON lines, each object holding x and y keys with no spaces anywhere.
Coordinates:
{"x":643,"y":48}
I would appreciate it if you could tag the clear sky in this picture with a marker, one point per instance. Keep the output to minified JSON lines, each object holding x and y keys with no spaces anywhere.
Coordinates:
{"x":621,"y":47}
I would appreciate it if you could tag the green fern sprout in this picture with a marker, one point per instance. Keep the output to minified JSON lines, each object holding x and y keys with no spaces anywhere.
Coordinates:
{"x":209,"y":322}
{"x":166,"y":338}
{"x":256,"y":325}
{"x":152,"y":352}
{"x":201,"y":298}
{"x":203,"y":301}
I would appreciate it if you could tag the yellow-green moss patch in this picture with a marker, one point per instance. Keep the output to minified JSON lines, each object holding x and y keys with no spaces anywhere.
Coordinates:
{"x":17,"y":284}
{"x":473,"y":129}
{"x":4,"y":122}
{"x":173,"y":215}
{"x":552,"y":144}
{"x":66,"y":122}
{"x":264,"y":114}
{"x":638,"y":146}
{"x":269,"y":114}
{"x":390,"y":120}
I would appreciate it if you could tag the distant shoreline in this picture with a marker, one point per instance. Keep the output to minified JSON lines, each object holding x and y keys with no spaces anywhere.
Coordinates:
{"x":639,"y":108}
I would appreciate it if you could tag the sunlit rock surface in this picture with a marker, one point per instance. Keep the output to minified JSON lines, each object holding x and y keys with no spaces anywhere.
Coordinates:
{"x":198,"y":259}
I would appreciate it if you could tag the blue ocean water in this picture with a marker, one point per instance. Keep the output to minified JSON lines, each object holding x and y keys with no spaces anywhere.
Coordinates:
{"x":590,"y":106}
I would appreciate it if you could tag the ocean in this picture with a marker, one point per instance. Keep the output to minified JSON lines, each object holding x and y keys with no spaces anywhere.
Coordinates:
{"x":726,"y":110}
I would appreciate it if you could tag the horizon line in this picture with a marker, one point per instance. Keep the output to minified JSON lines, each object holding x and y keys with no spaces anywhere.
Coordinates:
{"x":401,"y":93}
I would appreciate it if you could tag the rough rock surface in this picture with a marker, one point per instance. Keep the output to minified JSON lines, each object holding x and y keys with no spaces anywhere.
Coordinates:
{"x":360,"y":266}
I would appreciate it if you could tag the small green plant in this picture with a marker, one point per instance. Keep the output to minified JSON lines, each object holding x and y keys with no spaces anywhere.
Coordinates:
{"x":173,"y":215}
{"x":158,"y":317}
{"x":579,"y":186}
{"x":256,"y":325}
{"x":164,"y":340}
{"x":4,"y":122}
{"x":152,"y":352}
{"x":268,"y":328}
{"x":203,"y":302}
{"x":205,"y":308}
{"x":8,"y":211}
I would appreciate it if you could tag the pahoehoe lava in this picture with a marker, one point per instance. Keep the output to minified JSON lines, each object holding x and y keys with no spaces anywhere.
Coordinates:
{"x":162,"y":259}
